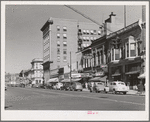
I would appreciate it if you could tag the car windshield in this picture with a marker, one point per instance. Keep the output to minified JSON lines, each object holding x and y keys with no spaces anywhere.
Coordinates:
{"x":99,"y":83}
{"x":121,"y":83}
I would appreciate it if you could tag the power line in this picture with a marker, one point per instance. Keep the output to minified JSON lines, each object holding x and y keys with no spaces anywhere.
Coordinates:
{"x":86,"y":17}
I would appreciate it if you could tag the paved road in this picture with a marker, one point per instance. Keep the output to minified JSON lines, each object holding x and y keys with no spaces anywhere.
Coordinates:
{"x":17,"y":98}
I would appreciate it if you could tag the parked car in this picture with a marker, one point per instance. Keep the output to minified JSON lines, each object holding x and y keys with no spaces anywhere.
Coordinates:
{"x":74,"y":86}
{"x":65,"y":86}
{"x":58,"y":86}
{"x":98,"y":87}
{"x":118,"y":86}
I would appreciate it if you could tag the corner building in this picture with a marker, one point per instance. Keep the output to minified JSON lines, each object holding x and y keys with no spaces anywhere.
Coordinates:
{"x":62,"y":36}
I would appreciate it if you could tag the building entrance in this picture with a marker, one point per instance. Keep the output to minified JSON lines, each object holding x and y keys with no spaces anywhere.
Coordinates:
{"x":132,"y":80}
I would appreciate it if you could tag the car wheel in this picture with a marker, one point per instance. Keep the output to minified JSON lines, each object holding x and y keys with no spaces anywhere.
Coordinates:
{"x":105,"y":91}
{"x":81,"y":90}
{"x":114,"y":92}
{"x":124,"y":92}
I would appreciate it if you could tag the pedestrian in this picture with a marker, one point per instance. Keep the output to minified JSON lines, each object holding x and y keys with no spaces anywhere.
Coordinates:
{"x":140,"y":88}
{"x":86,"y":85}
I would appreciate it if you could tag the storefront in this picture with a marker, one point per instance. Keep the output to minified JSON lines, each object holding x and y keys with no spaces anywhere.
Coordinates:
{"x":126,"y":71}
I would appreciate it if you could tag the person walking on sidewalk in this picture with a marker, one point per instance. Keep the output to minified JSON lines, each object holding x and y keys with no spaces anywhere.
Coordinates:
{"x":140,"y":88}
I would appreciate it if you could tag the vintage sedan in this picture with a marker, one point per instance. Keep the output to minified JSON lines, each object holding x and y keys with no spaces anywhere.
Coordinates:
{"x":118,"y":87}
{"x":74,"y":86}
{"x":98,"y":87}
{"x":58,"y":86}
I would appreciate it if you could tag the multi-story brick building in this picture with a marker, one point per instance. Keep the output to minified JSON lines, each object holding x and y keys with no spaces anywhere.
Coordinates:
{"x":62,"y":36}
{"x":120,"y":51}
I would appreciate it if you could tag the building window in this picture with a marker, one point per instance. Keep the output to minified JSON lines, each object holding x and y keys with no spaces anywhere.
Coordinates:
{"x":64,"y":51}
{"x":84,"y":31}
{"x":64,"y":36}
{"x":115,"y":54}
{"x":58,"y":28}
{"x":95,"y":38}
{"x":58,"y":50}
{"x":132,"y":50}
{"x":58,"y":35}
{"x":58,"y":43}
{"x":64,"y":28}
{"x":65,"y":58}
{"x":99,"y":32}
{"x":64,"y":43}
{"x":95,"y":32}
{"x":58,"y":58}
{"x":84,"y":38}
{"x":87,"y":32}
{"x":91,"y":38}
{"x":131,"y":47}
{"x":92,"y":32}
{"x":127,"y":48}
{"x":87,"y":38}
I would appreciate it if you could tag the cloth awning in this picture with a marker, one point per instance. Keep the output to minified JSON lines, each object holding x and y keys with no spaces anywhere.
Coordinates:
{"x":53,"y":80}
{"x":142,"y":76}
{"x":115,"y":74}
{"x":76,"y":80}
{"x":65,"y":80}
{"x":98,"y":79}
{"x":133,"y":72}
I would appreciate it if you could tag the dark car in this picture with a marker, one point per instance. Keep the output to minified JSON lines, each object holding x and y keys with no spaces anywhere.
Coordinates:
{"x":65,"y":86}
{"x":74,"y":86}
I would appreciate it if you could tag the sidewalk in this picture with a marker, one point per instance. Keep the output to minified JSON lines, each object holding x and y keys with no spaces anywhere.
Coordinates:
{"x":134,"y":92}
{"x":130,"y":92}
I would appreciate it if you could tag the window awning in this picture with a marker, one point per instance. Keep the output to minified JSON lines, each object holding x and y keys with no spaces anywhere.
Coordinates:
{"x":133,"y":72}
{"x":65,"y":80}
{"x":142,"y":76}
{"x":75,"y":80}
{"x":53,"y":80}
{"x":98,"y":79}
{"x":115,"y":74}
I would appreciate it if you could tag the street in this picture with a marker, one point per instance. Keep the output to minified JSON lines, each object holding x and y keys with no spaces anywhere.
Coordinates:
{"x":17,"y":98}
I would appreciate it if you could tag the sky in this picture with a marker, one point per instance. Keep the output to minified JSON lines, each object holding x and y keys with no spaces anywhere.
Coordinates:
{"x":23,"y":38}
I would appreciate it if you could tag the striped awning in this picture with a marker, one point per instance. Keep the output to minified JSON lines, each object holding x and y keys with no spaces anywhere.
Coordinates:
{"x":115,"y":74}
{"x":142,"y":76}
{"x":133,"y":72}
{"x":98,"y":79}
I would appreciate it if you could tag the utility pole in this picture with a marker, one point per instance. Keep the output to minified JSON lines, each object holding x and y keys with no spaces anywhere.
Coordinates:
{"x":124,"y":15}
{"x":70,"y":66}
